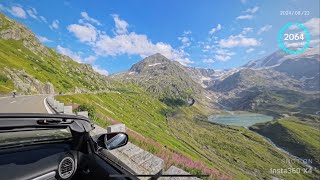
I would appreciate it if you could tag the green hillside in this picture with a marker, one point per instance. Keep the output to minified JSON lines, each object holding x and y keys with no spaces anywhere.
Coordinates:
{"x":234,"y":151}
{"x":25,"y":64}
{"x":298,"y":136}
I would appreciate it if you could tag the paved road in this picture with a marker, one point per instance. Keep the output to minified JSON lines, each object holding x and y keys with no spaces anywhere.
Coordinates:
{"x":23,"y":104}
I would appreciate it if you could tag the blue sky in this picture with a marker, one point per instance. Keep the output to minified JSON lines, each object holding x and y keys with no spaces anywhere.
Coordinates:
{"x":113,"y":35}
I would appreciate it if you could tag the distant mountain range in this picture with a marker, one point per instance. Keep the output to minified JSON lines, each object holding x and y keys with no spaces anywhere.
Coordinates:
{"x":278,"y":71}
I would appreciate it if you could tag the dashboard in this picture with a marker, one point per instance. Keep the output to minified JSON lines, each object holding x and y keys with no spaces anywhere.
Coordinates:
{"x":38,"y":162}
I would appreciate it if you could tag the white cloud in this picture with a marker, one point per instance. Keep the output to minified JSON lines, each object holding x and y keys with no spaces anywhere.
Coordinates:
{"x":85,"y":33}
{"x":43,"y":19}
{"x":185,"y":39}
{"x":124,"y":42}
{"x":100,"y":71}
{"x":32,"y":12}
{"x":65,"y":51}
{"x":187,"y":32}
{"x":184,"y":61}
{"x":208,"y":61}
{"x":76,"y":55}
{"x":223,"y":54}
{"x":90,"y":19}
{"x":44,"y":39}
{"x":264,"y":29}
{"x":90,"y":59}
{"x":246,"y":30}
{"x":136,"y":44}
{"x":252,"y":10}
{"x":247,"y":16}
{"x":213,"y":30}
{"x":121,"y":25}
{"x":54,"y":24}
{"x":249,"y":50}
{"x":222,"y":57}
{"x":313,"y":26}
{"x":18,"y":12}
{"x":238,"y":41}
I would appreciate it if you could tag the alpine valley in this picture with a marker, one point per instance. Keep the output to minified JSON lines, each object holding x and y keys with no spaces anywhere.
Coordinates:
{"x":167,"y":106}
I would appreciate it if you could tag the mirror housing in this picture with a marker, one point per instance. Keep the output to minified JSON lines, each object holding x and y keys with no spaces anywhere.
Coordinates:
{"x":113,"y":140}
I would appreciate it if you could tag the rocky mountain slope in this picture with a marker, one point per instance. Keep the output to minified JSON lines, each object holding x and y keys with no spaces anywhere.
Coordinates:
{"x":162,"y":77}
{"x":304,"y":67}
{"x":29,"y":67}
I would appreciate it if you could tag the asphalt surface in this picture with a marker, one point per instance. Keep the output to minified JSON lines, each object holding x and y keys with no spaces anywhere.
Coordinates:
{"x":23,"y":104}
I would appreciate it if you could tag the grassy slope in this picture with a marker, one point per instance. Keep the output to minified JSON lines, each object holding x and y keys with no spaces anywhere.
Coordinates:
{"x":234,"y":151}
{"x":293,"y":135}
{"x":44,"y":68}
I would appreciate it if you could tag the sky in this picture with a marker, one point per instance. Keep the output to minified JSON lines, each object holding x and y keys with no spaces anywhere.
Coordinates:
{"x":112,"y":35}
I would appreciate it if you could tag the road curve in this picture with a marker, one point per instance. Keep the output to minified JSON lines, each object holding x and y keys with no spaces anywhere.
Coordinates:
{"x":23,"y":104}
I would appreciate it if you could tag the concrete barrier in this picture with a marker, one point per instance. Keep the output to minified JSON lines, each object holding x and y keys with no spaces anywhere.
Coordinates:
{"x":60,"y":107}
{"x":116,"y":128}
{"x":130,"y":156}
{"x":55,"y":104}
{"x":67,"y":110}
{"x":83,"y":113}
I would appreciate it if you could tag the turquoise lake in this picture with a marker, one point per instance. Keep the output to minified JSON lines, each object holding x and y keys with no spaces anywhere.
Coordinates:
{"x":240,"y":119}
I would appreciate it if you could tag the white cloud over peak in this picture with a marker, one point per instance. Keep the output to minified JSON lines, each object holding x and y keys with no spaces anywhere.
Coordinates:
{"x":18,"y":11}
{"x":54,"y":24}
{"x":213,"y":30}
{"x":65,"y":51}
{"x":120,"y":25}
{"x":85,"y":32}
{"x":76,"y":57}
{"x":86,"y":16}
{"x":223,"y":54}
{"x":124,"y":42}
{"x":100,"y":70}
{"x":264,"y":29}
{"x":90,"y":59}
{"x":136,"y":44}
{"x":44,"y":39}
{"x":238,"y":41}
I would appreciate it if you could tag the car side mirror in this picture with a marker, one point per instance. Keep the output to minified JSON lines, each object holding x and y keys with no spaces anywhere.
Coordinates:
{"x":113,"y":140}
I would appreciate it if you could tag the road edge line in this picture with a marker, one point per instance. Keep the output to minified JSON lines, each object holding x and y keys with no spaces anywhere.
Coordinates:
{"x":46,"y":106}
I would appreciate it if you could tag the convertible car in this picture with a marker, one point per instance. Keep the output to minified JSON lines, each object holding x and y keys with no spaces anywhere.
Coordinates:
{"x":55,"y":146}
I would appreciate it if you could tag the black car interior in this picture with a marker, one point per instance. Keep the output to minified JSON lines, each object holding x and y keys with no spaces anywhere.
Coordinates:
{"x":75,"y":158}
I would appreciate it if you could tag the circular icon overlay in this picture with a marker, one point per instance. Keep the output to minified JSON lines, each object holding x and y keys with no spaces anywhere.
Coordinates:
{"x":303,"y":37}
